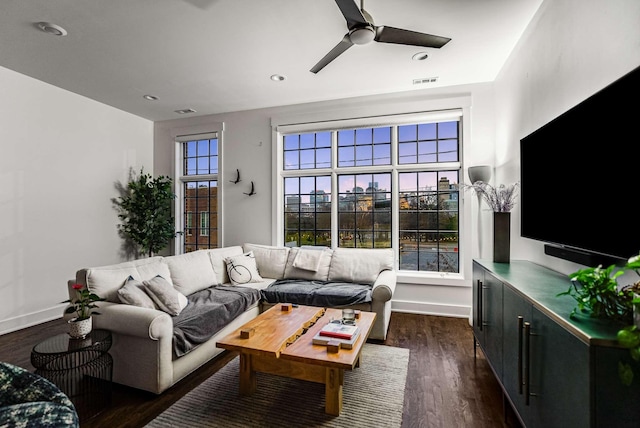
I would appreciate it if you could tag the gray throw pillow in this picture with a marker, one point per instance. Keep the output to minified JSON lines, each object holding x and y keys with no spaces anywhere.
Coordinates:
{"x":166,"y":297}
{"x":132,"y":293}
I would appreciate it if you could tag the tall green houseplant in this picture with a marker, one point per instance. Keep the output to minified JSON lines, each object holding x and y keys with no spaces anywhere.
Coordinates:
{"x":145,"y":212}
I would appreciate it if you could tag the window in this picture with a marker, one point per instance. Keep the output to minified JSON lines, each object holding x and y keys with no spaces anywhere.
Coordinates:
{"x":199,"y":156}
{"x":204,"y":223}
{"x":390,"y":185}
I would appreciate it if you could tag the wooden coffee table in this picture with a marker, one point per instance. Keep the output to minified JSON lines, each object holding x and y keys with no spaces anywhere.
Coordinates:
{"x":280,"y":343}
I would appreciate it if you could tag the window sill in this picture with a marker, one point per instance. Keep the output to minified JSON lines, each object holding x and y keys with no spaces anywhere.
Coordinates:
{"x":432,"y":278}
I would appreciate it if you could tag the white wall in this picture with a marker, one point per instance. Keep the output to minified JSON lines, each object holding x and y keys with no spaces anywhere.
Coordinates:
{"x":60,"y":157}
{"x":572,"y":49}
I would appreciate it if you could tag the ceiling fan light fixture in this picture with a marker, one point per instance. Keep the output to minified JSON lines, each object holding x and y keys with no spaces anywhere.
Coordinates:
{"x":362,"y":35}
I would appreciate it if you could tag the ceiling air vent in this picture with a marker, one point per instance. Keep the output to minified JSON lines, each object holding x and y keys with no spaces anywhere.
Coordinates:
{"x":425,"y":80}
{"x":185,"y":111}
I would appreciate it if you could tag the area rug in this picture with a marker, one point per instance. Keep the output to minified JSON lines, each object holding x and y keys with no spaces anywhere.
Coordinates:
{"x":373,"y":396}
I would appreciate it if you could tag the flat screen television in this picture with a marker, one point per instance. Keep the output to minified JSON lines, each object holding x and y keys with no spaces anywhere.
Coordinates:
{"x":580,"y":178}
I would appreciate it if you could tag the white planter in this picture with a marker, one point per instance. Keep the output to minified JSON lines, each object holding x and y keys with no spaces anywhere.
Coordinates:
{"x":80,"y":329}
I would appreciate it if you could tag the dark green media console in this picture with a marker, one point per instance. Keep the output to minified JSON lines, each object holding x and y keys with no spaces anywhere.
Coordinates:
{"x":555,"y":371}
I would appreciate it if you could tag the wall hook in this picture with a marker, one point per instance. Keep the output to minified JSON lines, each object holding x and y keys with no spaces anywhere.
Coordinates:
{"x":237,"y":180}
{"x":252,"y":191}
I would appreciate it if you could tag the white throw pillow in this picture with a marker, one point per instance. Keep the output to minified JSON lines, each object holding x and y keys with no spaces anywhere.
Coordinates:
{"x":242,"y":269}
{"x":132,"y":293}
{"x":191,"y":272}
{"x":270,"y":260}
{"x":165,"y":296}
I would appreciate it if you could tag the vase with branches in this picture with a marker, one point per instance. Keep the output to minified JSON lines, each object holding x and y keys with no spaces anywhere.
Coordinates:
{"x":500,"y":199}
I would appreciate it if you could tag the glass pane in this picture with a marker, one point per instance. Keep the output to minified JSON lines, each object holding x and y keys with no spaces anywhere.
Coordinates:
{"x":364,"y":136}
{"x":407,"y":153}
{"x":323,"y":237}
{"x":307,"y":141}
{"x":407,"y":133}
{"x":408,"y":220}
{"x":291,"y":160}
{"x":291,"y":185}
{"x":363,"y":155}
{"x":213,"y":147}
{"x":346,"y":157}
{"x":190,"y":149}
{"x":203,"y":165}
{"x":382,"y":135}
{"x":203,"y":148}
{"x":448,"y":151}
{"x":427,"y":131}
{"x":448,"y":130}
{"x":323,"y":220}
{"x":291,"y":142}
{"x":323,"y":139}
{"x":382,"y":154}
{"x":323,"y":158}
{"x":346,"y":138}
{"x":307,"y":159}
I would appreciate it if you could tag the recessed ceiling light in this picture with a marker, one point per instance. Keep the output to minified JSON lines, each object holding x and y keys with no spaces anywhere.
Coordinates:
{"x":185,"y":111}
{"x":50,"y":28}
{"x":420,"y":56}
{"x":150,"y":97}
{"x":277,"y":77}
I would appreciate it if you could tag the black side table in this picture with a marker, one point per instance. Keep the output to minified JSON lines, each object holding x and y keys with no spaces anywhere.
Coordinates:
{"x":82,"y":368}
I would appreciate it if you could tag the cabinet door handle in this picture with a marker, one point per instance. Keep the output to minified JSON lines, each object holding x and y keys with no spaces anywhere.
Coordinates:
{"x":520,"y":326}
{"x":527,"y":364}
{"x":480,"y":308}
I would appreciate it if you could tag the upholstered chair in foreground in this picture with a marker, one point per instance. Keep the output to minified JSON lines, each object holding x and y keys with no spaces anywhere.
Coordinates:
{"x":29,"y":400}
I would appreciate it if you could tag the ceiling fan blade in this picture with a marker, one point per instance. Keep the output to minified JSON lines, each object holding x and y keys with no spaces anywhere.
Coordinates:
{"x":344,"y":44}
{"x":399,"y":36}
{"x":351,"y":13}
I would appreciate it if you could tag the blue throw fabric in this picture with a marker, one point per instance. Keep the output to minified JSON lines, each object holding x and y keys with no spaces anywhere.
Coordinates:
{"x":29,"y":400}
{"x":317,"y":293}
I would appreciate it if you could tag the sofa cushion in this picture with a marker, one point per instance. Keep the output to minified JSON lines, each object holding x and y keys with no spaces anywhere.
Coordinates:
{"x":217,"y":255}
{"x":191,"y":272}
{"x":317,"y":293}
{"x":361,"y":265}
{"x":105,"y":281}
{"x":167,"y":298}
{"x":242,"y":269}
{"x":132,"y":293}
{"x":271,"y":260}
{"x":322,"y":272}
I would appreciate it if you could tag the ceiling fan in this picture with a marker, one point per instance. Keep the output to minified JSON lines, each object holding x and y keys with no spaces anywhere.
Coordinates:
{"x":362,"y":30}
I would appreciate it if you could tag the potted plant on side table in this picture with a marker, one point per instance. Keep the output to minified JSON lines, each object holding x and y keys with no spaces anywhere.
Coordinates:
{"x":83,"y":305}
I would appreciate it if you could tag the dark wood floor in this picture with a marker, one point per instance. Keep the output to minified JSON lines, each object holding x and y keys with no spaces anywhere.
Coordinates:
{"x":446,"y":386}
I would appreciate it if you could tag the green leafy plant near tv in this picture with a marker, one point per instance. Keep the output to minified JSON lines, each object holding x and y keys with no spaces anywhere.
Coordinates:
{"x":597,"y":292}
{"x":145,"y":212}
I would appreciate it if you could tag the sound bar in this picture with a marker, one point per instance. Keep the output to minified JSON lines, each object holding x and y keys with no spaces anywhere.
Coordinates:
{"x":580,"y":257}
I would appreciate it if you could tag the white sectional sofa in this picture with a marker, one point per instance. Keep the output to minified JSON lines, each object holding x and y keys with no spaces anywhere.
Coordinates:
{"x":144,"y":349}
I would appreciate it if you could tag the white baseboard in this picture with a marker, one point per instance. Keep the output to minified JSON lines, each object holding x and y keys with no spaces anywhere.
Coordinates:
{"x":428,"y":308}
{"x":28,"y":320}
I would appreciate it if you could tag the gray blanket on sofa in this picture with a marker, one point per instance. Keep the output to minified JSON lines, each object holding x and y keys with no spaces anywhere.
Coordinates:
{"x":209,"y":311}
{"x":317,"y":293}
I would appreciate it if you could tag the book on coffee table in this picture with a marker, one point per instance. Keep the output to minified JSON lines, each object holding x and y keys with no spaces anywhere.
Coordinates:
{"x":339,"y":330}
{"x":344,"y":343}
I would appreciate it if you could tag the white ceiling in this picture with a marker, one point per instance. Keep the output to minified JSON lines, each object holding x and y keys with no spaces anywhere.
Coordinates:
{"x":216,"y":56}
